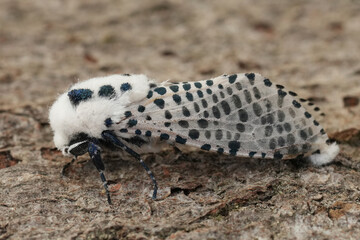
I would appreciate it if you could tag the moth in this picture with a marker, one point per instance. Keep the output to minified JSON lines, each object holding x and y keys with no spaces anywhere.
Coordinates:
{"x":243,"y":115}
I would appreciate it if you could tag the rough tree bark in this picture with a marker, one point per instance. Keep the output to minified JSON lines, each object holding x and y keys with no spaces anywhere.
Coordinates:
{"x":310,"y":47}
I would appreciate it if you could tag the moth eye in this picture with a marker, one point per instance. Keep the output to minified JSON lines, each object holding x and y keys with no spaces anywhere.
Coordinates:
{"x":79,"y":148}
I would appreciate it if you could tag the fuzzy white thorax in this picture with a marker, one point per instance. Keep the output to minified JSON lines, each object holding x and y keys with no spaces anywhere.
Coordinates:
{"x":88,"y":116}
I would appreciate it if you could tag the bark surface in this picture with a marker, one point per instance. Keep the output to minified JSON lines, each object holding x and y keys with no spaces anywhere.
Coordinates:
{"x":311,"y":47}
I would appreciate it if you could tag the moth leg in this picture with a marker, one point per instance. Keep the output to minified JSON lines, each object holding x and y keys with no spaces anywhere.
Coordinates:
{"x":95,"y":155}
{"x":109,"y":136}
{"x":66,"y":167}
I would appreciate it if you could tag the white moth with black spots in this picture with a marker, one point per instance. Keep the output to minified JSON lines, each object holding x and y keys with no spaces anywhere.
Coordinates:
{"x":243,"y":115}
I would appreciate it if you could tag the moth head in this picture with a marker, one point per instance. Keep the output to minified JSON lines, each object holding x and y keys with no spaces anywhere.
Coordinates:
{"x":64,"y":122}
{"x":74,"y":123}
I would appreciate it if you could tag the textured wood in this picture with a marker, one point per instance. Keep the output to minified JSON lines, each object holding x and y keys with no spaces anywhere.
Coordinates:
{"x":311,"y":47}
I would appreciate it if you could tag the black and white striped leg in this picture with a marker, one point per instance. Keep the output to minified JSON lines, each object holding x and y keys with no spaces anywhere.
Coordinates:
{"x":95,"y":155}
{"x":111,"y":137}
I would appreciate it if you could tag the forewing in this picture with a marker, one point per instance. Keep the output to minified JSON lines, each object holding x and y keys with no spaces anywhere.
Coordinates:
{"x":241,"y":114}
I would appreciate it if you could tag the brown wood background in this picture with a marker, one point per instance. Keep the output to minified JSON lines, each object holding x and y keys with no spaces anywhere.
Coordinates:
{"x":311,"y":47}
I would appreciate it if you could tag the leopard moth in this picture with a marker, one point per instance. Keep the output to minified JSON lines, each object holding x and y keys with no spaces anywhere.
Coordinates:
{"x":243,"y":115}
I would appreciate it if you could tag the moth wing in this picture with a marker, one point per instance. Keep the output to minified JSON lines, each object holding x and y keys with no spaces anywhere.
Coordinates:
{"x":241,"y":114}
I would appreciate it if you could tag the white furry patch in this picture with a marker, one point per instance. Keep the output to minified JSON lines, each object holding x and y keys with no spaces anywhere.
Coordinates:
{"x":326,"y":156}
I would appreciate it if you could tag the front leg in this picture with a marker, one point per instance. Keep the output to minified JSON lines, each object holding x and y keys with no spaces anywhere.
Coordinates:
{"x":95,"y":155}
{"x":111,"y":137}
{"x":66,"y":167}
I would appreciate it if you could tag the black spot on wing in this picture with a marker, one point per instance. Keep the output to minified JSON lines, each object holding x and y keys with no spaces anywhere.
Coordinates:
{"x":281,"y":115}
{"x":180,"y":140}
{"x":160,"y":90}
{"x":204,"y":103}
{"x":159,"y":102}
{"x":281,"y":93}
{"x":247,"y":96}
{"x":150,"y":94}
{"x":256,"y":93}
{"x":174,"y":88}
{"x":218,"y":134}
{"x":176,"y":99}
{"x":189,"y":96}
{"x":203,"y":123}
{"x":216,"y":112}
{"x":272,"y":143}
{"x":290,"y":139}
{"x":184,"y":124}
{"x":232,"y":78}
{"x":206,"y":147}
{"x":243,"y":115}
{"x":220,"y":150}
{"x":168,"y":114}
{"x":238,"y":86}
{"x":257,"y":109}
{"x":287,"y":127}
{"x":215,"y":98}
{"x":198,"y":85}
{"x":185,"y":111}
{"x":303,"y":134}
{"x":292,"y":93}
{"x":194,"y":134}
{"x":164,"y":136}
{"x":251,"y":77}
{"x":208,"y":134}
{"x":132,"y":122}
{"x":268,"y":131}
{"x":234,"y":146}
{"x":196,"y":107}
{"x":229,"y":90}
{"x":267,"y":82}
{"x":237,"y":101}
{"x":226,"y":107}
{"x":240,"y":127}
{"x":141,"y":108}
{"x":127,"y":114}
{"x":296,"y":104}
{"x":187,"y":86}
